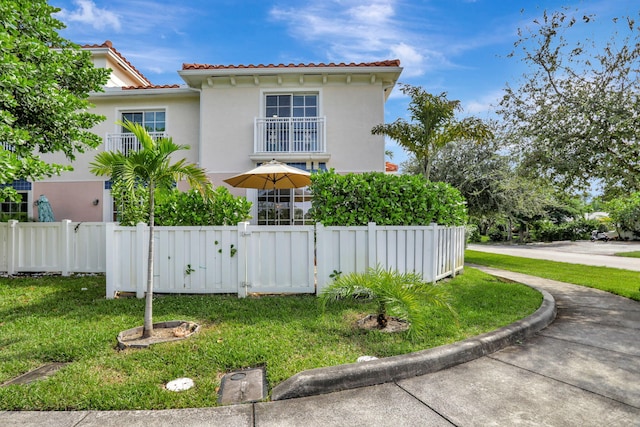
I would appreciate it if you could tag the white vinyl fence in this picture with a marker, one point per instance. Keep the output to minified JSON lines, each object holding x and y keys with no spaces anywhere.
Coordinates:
{"x":65,"y":247}
{"x":240,"y":259}
{"x":434,"y":251}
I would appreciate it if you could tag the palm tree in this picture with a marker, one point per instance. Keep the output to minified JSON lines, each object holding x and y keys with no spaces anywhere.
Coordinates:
{"x":404,"y":295}
{"x":432,"y":127}
{"x":150,"y":166}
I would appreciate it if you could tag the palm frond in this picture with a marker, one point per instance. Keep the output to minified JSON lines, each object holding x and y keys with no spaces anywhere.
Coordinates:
{"x":141,"y":134}
{"x":403,"y":295}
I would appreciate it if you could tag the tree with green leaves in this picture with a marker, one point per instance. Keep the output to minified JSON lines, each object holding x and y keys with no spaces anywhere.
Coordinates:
{"x":150,"y":167}
{"x":625,"y":213}
{"x":45,"y":82}
{"x":476,"y":170}
{"x":576,"y":115}
{"x":433,"y":124}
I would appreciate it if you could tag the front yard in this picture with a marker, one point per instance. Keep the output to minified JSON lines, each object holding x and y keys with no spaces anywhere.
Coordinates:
{"x":55,"y":319}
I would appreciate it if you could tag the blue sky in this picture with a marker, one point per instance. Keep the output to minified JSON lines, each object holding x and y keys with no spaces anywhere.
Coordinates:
{"x":454,"y":46}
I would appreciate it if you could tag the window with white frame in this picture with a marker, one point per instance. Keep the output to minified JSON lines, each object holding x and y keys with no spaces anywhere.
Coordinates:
{"x":292,"y":105}
{"x":152,"y":121}
{"x":291,"y":122}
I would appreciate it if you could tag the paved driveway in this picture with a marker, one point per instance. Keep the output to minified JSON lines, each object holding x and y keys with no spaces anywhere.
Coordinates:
{"x":582,"y":252}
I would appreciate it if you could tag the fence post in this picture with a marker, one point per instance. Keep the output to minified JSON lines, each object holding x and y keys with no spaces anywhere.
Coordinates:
{"x":372,"y":246}
{"x":244,"y":282}
{"x":453,"y":239}
{"x":65,"y":247}
{"x":109,"y":246}
{"x":321,"y":259}
{"x":142,"y":256}
{"x":435,"y":252}
{"x":461,"y":243}
{"x":12,"y":247}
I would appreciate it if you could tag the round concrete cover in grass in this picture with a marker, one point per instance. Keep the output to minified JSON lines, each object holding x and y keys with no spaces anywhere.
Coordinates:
{"x":180,"y":384}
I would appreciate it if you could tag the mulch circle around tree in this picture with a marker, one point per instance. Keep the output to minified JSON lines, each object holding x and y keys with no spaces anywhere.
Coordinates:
{"x":394,"y":324}
{"x":174,"y":330}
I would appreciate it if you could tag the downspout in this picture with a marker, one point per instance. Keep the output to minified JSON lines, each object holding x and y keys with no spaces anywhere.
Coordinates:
{"x":199,"y":159}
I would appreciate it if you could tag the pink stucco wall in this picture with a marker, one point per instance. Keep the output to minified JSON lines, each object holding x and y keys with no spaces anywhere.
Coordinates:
{"x":72,"y":200}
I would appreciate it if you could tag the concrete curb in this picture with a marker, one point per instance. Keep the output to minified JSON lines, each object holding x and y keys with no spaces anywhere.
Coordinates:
{"x":390,"y":369}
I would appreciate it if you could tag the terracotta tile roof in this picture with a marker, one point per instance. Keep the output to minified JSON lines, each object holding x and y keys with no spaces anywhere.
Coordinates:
{"x":175,"y":86}
{"x":107,"y":44}
{"x":387,"y":63}
{"x":390,"y":167}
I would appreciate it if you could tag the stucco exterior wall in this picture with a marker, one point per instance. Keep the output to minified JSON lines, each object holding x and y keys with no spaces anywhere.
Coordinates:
{"x":227,"y":117}
{"x":182,"y":124}
{"x":352,"y":110}
{"x":228,"y":114}
{"x":72,"y":200}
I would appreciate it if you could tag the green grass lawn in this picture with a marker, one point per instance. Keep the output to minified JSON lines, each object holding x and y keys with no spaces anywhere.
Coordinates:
{"x":614,"y":280}
{"x":633,"y":254}
{"x":51,"y":319}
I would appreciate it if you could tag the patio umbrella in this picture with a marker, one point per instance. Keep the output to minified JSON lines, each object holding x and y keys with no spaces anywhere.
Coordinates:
{"x":45,"y":214}
{"x":272,"y":175}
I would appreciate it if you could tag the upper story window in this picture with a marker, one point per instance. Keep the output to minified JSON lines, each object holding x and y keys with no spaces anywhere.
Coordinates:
{"x":291,"y":124}
{"x":292,"y":105}
{"x":152,"y":121}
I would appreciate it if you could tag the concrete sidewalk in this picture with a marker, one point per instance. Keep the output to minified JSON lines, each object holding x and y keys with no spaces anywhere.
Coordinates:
{"x":582,"y":370}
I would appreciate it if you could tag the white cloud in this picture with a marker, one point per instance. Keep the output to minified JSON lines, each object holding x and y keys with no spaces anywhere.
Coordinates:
{"x":368,"y":30}
{"x":486,"y":104}
{"x":359,"y":31}
{"x":88,"y":13}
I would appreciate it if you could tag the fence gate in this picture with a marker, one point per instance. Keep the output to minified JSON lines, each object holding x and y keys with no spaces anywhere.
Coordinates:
{"x":276,"y":259}
{"x":238,"y":259}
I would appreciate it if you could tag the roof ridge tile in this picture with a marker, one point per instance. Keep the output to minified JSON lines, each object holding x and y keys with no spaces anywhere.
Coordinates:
{"x":384,"y":63}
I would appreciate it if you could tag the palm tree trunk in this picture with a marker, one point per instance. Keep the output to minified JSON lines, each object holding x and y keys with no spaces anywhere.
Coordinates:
{"x":426,"y":168}
{"x":148,"y":307}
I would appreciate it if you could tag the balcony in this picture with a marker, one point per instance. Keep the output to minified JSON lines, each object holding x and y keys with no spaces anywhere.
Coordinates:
{"x":126,"y":142}
{"x":289,"y":137}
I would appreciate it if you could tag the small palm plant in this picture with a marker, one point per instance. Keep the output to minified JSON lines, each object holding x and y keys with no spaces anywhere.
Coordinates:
{"x":403,"y":295}
{"x":151,"y":167}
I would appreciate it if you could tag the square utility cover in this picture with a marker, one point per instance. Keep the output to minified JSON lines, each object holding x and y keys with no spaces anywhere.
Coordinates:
{"x":244,"y":386}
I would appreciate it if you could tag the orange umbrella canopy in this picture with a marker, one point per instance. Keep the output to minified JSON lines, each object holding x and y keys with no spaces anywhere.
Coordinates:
{"x":270,"y":176}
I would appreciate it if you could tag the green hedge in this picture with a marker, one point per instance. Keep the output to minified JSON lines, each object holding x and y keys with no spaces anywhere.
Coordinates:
{"x":580,"y":229}
{"x":357,"y":199}
{"x":177,"y":208}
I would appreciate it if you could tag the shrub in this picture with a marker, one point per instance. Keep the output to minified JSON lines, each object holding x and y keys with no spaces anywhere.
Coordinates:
{"x":357,"y":199}
{"x":131,"y":205}
{"x":497,"y":234}
{"x":175,"y":208}
{"x":473,"y":234}
{"x":579,"y":229}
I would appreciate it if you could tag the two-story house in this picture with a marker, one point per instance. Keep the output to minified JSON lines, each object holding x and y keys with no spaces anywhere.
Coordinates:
{"x":312,"y":116}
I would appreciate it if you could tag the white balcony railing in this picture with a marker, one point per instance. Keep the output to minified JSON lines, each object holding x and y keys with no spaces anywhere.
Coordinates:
{"x":289,"y":135}
{"x":126,"y":142}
